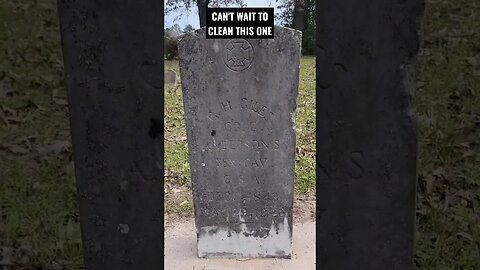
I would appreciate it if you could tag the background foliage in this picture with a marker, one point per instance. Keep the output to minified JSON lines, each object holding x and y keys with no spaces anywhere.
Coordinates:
{"x":285,"y":16}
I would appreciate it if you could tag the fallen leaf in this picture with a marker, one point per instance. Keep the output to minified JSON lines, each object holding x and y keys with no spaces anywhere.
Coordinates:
{"x":15,"y":149}
{"x":8,"y":257}
{"x":439,"y":172}
{"x":465,"y":235}
{"x":58,"y":146}
{"x":176,"y":190}
{"x":60,"y":101}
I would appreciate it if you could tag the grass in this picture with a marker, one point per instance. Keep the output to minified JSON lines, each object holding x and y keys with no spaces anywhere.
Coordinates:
{"x":38,"y":211}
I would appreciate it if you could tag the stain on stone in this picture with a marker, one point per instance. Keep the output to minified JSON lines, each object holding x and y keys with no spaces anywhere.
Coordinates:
{"x":152,"y":74}
{"x":123,"y":228}
{"x":213,"y":132}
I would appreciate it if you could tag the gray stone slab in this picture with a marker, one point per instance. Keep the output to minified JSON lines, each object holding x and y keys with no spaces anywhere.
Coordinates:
{"x":366,"y":133}
{"x":240,"y":99}
{"x":113,"y":54}
{"x":170,"y":77}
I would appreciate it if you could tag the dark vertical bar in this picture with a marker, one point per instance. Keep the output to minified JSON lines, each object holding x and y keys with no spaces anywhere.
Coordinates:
{"x":366,"y":133}
{"x":113,"y":54}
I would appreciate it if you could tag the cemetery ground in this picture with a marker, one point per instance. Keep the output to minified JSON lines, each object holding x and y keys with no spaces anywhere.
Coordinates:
{"x":38,"y":212}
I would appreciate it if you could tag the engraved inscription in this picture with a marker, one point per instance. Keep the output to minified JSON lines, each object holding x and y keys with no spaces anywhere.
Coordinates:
{"x":225,"y":106}
{"x":241,"y":179}
{"x":321,"y":168}
{"x":256,"y":144}
{"x":355,"y":168}
{"x":256,"y":107}
{"x":212,"y":116}
{"x":229,"y":134}
{"x":249,"y":163}
{"x":238,"y":54}
{"x":248,"y":215}
{"x":263,"y":197}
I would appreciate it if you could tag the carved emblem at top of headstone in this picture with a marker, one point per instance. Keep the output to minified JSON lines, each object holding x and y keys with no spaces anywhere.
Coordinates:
{"x":238,"y":54}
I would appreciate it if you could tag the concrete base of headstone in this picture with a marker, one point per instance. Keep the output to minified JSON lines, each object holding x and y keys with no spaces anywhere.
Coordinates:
{"x":181,"y":251}
{"x":215,"y":241}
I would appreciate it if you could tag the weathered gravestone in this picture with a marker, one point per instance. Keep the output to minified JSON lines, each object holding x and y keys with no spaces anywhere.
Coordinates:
{"x":240,"y":100}
{"x":366,"y":136}
{"x":113,"y":54}
{"x":170,"y":77}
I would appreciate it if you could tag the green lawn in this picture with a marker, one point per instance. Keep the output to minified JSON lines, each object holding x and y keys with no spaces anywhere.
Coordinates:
{"x":38,"y":212}
{"x":448,"y":105}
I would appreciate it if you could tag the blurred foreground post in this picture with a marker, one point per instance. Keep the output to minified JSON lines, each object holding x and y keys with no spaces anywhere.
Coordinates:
{"x":366,"y":133}
{"x":113,"y":54}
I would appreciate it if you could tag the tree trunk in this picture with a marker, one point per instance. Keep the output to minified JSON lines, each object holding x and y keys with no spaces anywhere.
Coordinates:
{"x":299,"y":15}
{"x":202,"y":11}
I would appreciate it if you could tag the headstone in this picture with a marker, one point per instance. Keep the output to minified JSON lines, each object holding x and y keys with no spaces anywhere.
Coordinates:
{"x":366,"y":136}
{"x":240,"y":99}
{"x":170,"y":77}
{"x":113,"y":54}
